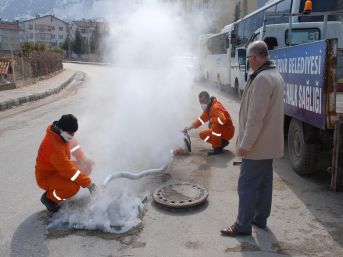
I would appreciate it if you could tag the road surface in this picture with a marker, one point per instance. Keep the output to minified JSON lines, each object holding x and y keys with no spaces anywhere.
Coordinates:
{"x":306,"y":216}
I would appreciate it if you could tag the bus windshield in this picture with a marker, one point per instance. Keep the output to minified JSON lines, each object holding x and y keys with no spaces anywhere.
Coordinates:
{"x":321,"y":6}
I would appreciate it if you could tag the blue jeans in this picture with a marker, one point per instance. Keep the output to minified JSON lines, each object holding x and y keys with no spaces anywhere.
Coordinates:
{"x":255,"y":186}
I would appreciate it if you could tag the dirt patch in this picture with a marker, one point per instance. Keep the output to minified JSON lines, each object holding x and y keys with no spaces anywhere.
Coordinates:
{"x":319,"y":246}
{"x":243,"y":247}
{"x":138,"y":244}
{"x":203,"y":177}
{"x":279,"y":184}
{"x":192,"y":244}
{"x":234,"y":184}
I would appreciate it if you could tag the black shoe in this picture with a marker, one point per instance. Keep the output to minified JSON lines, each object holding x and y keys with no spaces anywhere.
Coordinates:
{"x":50,"y":205}
{"x":225,"y":143}
{"x":215,"y":151}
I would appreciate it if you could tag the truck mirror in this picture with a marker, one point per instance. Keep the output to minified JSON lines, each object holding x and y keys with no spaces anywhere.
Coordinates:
{"x":271,"y":42}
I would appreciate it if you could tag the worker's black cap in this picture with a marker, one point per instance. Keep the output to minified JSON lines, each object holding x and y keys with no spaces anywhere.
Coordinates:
{"x":68,"y":122}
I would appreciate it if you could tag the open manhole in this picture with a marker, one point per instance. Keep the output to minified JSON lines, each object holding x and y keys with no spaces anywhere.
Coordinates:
{"x":180,"y":195}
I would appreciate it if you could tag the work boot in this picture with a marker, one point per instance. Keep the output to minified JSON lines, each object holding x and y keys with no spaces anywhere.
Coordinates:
{"x":225,"y":143}
{"x":216,"y":151}
{"x":50,"y":205}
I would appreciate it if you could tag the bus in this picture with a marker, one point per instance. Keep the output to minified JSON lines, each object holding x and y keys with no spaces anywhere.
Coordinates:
{"x":223,"y":59}
{"x":313,"y":98}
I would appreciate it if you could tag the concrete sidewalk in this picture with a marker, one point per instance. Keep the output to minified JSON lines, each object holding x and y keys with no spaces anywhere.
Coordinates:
{"x":39,"y":90}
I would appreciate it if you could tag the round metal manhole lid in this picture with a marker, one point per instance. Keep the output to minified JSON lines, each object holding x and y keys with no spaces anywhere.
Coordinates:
{"x":180,"y":195}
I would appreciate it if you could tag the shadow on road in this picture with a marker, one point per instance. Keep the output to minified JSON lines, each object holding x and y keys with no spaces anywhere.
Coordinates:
{"x":314,"y":191}
{"x":250,"y":246}
{"x":29,"y":238}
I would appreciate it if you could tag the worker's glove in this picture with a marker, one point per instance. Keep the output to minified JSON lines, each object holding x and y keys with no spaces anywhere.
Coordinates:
{"x":186,"y":129}
{"x":92,"y":189}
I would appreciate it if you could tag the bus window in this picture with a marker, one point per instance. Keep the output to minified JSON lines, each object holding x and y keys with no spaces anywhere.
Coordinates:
{"x":257,"y":21}
{"x":241,"y":56}
{"x":321,"y":6}
{"x":217,"y":44}
{"x":240,"y":33}
{"x":222,"y":39}
{"x":302,"y":36}
{"x":270,"y":19}
{"x":283,"y":7}
{"x":233,"y":41}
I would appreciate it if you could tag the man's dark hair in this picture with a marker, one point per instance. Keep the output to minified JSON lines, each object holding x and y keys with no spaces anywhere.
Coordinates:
{"x":204,"y":94}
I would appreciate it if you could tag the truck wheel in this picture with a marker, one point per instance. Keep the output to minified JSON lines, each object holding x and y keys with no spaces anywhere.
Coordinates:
{"x":301,"y":154}
{"x":218,"y":83}
{"x":238,"y":91}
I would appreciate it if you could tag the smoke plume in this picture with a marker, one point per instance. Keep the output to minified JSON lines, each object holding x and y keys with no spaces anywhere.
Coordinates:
{"x":136,"y":112}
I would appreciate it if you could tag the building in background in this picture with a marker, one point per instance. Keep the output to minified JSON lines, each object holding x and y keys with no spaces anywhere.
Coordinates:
{"x":47,"y":30}
{"x":248,"y":6}
{"x":9,"y":36}
{"x":244,"y":7}
{"x":222,"y":12}
{"x":219,"y":12}
{"x":86,"y":28}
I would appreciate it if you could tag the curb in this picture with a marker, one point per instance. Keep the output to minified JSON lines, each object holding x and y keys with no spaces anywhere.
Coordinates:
{"x":89,"y":63}
{"x":5,"y":105}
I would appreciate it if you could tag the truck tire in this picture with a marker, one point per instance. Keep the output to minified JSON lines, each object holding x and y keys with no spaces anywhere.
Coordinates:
{"x":218,"y":83}
{"x":237,"y":89}
{"x":301,"y":154}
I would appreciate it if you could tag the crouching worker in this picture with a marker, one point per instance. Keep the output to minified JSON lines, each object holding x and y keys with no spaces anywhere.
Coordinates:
{"x":220,"y":129}
{"x":55,"y":173}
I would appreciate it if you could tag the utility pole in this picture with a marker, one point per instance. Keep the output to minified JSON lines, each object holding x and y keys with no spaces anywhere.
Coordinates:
{"x":244,"y":7}
{"x":69,"y":29}
{"x":12,"y":64}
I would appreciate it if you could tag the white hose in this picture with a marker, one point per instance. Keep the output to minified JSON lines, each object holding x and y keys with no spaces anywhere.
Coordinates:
{"x":133,"y":175}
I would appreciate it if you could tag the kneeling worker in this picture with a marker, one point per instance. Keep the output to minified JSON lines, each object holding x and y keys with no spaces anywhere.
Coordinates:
{"x":60,"y":177}
{"x":220,"y":130}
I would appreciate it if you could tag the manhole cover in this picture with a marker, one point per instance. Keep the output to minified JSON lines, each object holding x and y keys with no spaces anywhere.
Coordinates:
{"x":180,"y":195}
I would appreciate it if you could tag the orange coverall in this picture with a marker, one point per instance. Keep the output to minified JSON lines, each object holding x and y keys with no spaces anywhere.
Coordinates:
{"x":220,"y":126}
{"x":55,"y":172}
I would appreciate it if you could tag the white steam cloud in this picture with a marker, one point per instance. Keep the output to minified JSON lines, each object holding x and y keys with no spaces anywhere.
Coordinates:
{"x":136,"y":111}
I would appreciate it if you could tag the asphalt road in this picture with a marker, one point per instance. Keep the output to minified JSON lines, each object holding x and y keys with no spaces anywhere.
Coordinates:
{"x":306,"y":216}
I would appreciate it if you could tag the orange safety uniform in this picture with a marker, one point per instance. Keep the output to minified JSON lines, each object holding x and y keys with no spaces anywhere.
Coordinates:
{"x":55,"y":172}
{"x":220,"y":126}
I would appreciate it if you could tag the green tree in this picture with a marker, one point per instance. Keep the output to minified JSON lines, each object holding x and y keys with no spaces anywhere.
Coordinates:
{"x":77,"y":44}
{"x":95,"y":38}
{"x":65,"y":45}
{"x":84,"y":46}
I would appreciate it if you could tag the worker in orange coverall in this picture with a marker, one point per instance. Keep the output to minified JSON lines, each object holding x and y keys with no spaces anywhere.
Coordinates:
{"x":220,"y":130}
{"x":56,"y":173}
